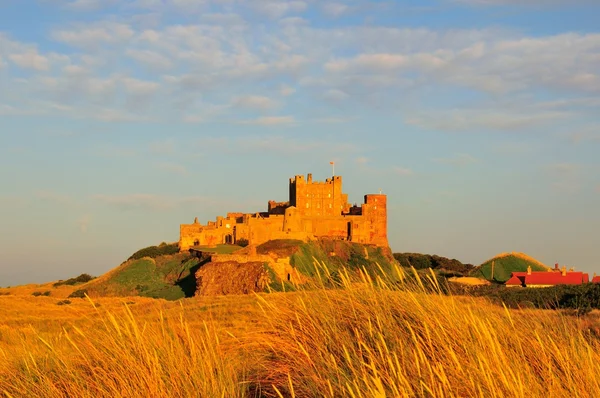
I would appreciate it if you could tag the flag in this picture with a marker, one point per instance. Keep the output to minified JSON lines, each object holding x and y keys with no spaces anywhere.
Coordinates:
{"x":330,"y":162}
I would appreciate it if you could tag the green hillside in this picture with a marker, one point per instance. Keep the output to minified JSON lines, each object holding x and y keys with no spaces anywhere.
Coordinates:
{"x":162,"y":272}
{"x":339,"y":254}
{"x":506,"y":263}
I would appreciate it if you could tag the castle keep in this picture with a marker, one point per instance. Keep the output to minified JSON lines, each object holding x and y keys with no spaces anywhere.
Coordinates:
{"x":315,"y":209}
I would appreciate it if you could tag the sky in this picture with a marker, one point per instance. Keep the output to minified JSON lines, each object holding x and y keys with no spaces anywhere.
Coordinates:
{"x":121,"y":119}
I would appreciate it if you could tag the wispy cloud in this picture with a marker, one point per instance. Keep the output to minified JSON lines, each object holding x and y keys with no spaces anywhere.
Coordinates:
{"x":55,"y":197}
{"x":256,"y":102}
{"x":402,"y":171}
{"x":172,"y":168}
{"x":271,"y":121}
{"x":149,"y":201}
{"x":459,"y":159}
{"x":83,"y":223}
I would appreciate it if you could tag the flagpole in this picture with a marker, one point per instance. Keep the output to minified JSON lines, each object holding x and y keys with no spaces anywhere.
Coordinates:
{"x":332,"y":168}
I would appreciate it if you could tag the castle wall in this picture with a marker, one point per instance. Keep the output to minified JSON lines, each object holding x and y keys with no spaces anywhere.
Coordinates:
{"x":314,"y":209}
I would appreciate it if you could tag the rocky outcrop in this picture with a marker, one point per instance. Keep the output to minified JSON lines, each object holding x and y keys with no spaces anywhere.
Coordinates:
{"x":231,"y":277}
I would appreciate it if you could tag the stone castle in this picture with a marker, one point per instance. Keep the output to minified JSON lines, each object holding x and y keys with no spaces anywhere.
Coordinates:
{"x":315,"y":209}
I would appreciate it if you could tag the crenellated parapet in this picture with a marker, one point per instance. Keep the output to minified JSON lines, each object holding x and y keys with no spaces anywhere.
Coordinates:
{"x":314,"y":209}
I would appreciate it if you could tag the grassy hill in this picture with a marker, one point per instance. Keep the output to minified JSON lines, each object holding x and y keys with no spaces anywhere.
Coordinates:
{"x":162,"y":272}
{"x":505,"y":264}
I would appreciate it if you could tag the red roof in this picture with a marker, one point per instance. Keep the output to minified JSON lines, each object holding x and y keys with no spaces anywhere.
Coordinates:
{"x":596,"y":279}
{"x":514,"y":280}
{"x":549,"y":278}
{"x":555,"y":278}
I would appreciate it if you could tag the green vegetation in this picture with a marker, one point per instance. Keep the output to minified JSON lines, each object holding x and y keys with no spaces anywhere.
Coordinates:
{"x":219,"y":249}
{"x":83,"y":278}
{"x":505,"y":264}
{"x":37,"y":294}
{"x":78,"y":293}
{"x":446,"y":266}
{"x":582,"y":298}
{"x":163,"y":249}
{"x":243,"y":242}
{"x":168,"y":277}
{"x":341,"y":254}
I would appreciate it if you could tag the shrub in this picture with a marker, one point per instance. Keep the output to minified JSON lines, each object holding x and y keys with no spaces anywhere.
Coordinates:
{"x":243,"y":242}
{"x":156,"y":251}
{"x":83,"y":278}
{"x":78,"y":293}
{"x":37,"y":294}
{"x":423,"y":261}
{"x":64,"y":302}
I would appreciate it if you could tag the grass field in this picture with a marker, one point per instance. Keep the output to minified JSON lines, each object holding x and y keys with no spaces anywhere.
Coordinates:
{"x":364,"y":340}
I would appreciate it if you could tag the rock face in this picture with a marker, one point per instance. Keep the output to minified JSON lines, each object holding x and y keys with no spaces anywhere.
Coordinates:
{"x":231,"y":277}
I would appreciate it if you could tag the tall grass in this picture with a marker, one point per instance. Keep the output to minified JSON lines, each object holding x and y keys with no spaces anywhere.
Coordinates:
{"x":369,"y":338}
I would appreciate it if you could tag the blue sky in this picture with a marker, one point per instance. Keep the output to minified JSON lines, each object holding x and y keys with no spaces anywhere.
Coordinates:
{"x":119,"y":120}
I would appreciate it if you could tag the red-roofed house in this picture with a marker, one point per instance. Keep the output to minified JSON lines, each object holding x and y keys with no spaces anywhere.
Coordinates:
{"x":547,"y":279}
{"x":596,"y":279}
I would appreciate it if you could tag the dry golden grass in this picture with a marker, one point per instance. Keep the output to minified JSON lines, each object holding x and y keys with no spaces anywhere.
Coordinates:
{"x":364,"y":340}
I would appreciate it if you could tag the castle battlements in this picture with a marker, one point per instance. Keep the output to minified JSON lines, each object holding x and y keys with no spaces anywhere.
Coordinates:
{"x":314,"y":209}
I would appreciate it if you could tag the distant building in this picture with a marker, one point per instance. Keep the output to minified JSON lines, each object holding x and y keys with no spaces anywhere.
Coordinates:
{"x":552,"y":277}
{"x":314,"y":209}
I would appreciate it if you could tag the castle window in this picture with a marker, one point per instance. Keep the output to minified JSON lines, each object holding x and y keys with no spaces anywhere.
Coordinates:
{"x":375,"y":207}
{"x":307,"y":205}
{"x":329,"y":195}
{"x":330,"y":205}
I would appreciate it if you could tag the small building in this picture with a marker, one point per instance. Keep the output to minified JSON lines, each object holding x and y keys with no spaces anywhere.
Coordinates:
{"x":549,"y":278}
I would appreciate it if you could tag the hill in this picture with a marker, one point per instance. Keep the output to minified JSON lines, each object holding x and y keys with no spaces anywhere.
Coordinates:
{"x":506,"y":263}
{"x":162,"y":272}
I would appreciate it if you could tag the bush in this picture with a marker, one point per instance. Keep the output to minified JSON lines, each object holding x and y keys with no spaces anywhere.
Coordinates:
{"x":156,"y":251}
{"x":64,"y":302}
{"x":78,"y":293}
{"x":243,"y":242}
{"x":83,"y":278}
{"x":581,"y":298}
{"x":37,"y":294}
{"x":423,"y":261}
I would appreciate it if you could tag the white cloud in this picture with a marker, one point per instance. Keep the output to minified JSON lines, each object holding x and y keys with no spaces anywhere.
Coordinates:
{"x":271,"y":121}
{"x":459,"y":159}
{"x":165,"y":147}
{"x":484,"y":119}
{"x":335,"y":9}
{"x":172,"y":168}
{"x":286,"y":90}
{"x":254,"y":102}
{"x":402,"y":171}
{"x":55,"y":197}
{"x":90,"y":5}
{"x":150,"y":59}
{"x":31,"y":60}
{"x":150,"y":201}
{"x":335,"y":95}
{"x":275,"y":9}
{"x":83,"y":223}
{"x":95,"y":34}
{"x":139,"y":87}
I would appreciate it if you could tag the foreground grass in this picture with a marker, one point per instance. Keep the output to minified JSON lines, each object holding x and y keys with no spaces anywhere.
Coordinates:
{"x":364,"y":340}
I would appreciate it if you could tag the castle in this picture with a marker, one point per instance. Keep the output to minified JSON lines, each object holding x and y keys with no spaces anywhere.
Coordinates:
{"x":315,"y":209}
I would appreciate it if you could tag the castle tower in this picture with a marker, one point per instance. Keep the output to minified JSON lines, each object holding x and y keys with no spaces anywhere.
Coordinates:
{"x":318,"y":199}
{"x":375,"y":212}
